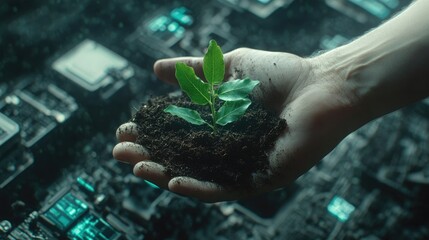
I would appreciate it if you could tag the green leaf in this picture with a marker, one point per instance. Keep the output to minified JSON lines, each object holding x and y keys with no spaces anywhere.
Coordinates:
{"x":194,"y":87}
{"x":232,"y":111}
{"x":214,"y":66}
{"x":186,"y":114}
{"x":237,"y":89}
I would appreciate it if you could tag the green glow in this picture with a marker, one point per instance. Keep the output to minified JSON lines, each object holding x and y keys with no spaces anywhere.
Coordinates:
{"x":151,"y":184}
{"x":391,"y":3}
{"x":180,"y":15}
{"x":159,"y":24}
{"x":92,"y":227}
{"x":373,"y":7}
{"x":264,"y":1}
{"x":340,"y":208}
{"x":172,"y":27}
{"x":65,"y":211}
{"x":179,"y":32}
{"x":85,"y":184}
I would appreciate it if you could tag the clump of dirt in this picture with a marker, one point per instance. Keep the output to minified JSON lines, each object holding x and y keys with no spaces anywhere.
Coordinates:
{"x":229,"y":157}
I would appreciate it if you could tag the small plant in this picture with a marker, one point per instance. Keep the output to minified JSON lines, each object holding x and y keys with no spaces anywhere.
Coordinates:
{"x":233,"y":93}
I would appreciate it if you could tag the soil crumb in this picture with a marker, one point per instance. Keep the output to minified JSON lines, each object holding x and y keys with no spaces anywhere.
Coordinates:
{"x":230,"y":157}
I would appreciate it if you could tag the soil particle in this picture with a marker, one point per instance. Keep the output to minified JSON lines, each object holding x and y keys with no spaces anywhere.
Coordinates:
{"x":230,"y":157}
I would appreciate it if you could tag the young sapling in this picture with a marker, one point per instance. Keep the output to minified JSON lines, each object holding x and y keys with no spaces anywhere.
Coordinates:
{"x":234,"y":94}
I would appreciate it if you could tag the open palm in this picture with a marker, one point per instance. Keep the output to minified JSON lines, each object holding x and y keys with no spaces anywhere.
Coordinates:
{"x":316,"y":105}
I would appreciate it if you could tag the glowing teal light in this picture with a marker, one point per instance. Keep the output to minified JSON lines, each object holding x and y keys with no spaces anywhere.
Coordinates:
{"x":264,"y":1}
{"x":65,"y":211}
{"x":391,"y":3}
{"x":151,"y":184}
{"x":92,"y":227}
{"x":172,"y":27}
{"x":180,"y":14}
{"x":159,"y":24}
{"x":340,"y":208}
{"x":373,"y":7}
{"x":85,"y":184}
{"x":179,"y":32}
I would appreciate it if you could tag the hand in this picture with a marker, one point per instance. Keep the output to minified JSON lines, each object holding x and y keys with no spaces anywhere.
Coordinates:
{"x":322,"y":99}
{"x":316,"y":104}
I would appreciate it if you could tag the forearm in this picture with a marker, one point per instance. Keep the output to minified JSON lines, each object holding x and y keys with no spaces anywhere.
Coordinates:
{"x":388,"y":67}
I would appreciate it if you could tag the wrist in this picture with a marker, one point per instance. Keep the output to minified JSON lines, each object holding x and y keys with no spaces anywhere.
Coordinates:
{"x":379,"y":78}
{"x":363,"y":74}
{"x":386,"y":68}
{"x":338,"y":101}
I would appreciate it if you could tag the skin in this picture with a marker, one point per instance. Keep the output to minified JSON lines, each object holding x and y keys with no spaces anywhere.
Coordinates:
{"x":323,"y":99}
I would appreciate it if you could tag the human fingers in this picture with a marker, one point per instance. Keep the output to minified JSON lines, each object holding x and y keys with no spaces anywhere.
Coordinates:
{"x":204,"y":191}
{"x":127,"y":132}
{"x":130,"y":153}
{"x":152,"y":172}
{"x":165,"y":69}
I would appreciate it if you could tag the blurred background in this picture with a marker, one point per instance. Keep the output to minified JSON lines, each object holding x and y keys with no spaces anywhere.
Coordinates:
{"x":71,"y":71}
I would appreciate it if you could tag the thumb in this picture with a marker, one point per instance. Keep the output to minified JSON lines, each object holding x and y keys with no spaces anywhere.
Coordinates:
{"x":165,"y":68}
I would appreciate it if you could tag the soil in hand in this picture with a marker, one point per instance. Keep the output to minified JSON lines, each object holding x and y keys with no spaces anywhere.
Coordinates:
{"x":230,"y":157}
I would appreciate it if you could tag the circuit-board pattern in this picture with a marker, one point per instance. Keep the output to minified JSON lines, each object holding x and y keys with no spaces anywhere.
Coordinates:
{"x":59,"y":180}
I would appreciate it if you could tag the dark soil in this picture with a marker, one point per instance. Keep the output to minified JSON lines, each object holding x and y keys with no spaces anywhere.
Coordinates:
{"x":230,"y":157}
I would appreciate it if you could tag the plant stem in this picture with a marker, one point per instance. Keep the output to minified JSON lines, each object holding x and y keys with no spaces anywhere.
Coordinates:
{"x":211,"y":126}
{"x":212,"y":107}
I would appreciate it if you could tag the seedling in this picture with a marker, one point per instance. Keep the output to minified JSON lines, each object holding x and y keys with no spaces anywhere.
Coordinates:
{"x":233,"y":93}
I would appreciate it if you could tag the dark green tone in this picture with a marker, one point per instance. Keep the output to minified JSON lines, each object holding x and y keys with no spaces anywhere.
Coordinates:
{"x":236,"y":90}
{"x":214,"y":66}
{"x":234,"y":93}
{"x":196,"y":89}
{"x":231,"y":111}
{"x":187,"y":114}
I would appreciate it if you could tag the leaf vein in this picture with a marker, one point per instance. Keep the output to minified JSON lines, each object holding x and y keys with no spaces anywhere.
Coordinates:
{"x":192,"y":83}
